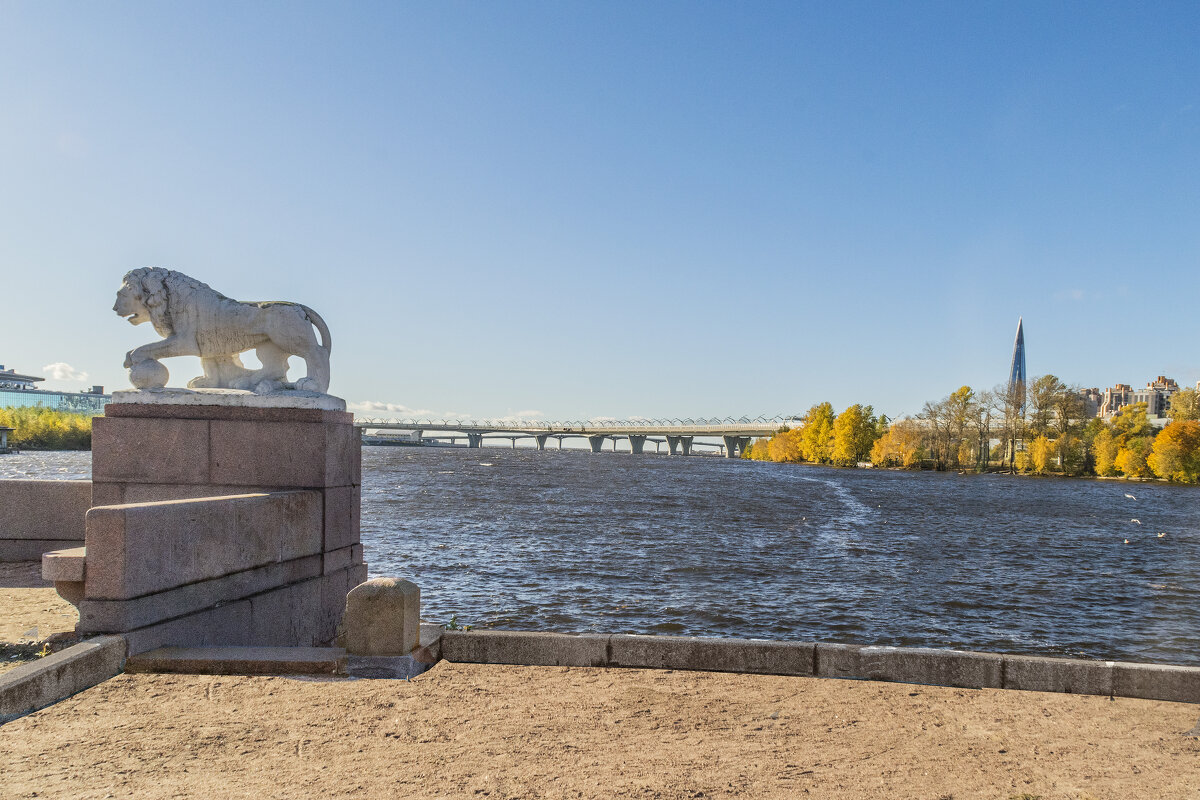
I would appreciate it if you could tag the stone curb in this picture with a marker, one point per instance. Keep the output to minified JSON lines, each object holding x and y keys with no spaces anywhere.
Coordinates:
{"x":56,"y":677}
{"x":240,"y":661}
{"x":956,"y":668}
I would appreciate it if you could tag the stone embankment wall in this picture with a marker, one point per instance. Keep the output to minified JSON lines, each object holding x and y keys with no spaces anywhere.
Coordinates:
{"x":39,"y":516}
{"x":221,"y":525}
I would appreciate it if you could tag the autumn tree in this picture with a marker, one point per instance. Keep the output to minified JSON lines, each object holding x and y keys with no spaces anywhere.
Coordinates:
{"x":1040,"y":450}
{"x":853,"y":435}
{"x":1132,"y":457}
{"x":785,"y":446}
{"x":901,"y":446}
{"x":816,"y":437}
{"x":1131,"y":422}
{"x":1043,"y":396}
{"x":1175,"y":454}
{"x":1010,"y":400}
{"x":1185,"y":405}
{"x":1105,"y":450}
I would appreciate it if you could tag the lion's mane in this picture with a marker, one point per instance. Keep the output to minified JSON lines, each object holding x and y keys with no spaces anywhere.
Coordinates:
{"x":162,"y":291}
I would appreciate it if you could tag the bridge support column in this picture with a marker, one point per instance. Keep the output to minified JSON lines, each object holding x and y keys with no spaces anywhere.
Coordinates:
{"x":474,"y":440}
{"x":560,"y":438}
{"x":514,"y":441}
{"x":596,"y":442}
{"x":636,"y":443}
{"x":686,"y":442}
{"x":673,"y":444}
{"x":541,"y":441}
{"x":733,"y":446}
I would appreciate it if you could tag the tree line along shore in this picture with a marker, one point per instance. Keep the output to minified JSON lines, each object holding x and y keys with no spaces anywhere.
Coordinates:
{"x":1042,"y":428}
{"x":40,"y":428}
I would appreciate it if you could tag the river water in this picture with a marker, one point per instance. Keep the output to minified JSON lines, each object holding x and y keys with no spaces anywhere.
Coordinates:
{"x":575,"y":541}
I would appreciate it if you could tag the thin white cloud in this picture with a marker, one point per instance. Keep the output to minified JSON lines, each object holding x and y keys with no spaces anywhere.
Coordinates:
{"x":399,"y":410}
{"x":62,"y":371}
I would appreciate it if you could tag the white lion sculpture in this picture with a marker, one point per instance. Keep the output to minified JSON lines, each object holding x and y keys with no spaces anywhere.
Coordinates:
{"x":195,"y":320}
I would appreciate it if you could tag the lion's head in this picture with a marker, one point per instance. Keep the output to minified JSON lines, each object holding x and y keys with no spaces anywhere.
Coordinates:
{"x":149,"y":294}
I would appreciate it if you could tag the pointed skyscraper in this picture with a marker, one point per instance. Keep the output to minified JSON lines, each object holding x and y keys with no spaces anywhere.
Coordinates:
{"x":1016,"y":372}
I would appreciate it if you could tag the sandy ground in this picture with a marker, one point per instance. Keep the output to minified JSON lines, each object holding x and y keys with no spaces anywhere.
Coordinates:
{"x":466,"y":730}
{"x":552,"y":732}
{"x":30,"y":612}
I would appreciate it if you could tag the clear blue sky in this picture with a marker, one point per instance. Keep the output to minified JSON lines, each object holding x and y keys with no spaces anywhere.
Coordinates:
{"x":617,"y":209}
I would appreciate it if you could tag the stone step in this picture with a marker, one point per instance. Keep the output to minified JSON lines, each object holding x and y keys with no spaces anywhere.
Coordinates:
{"x":64,"y":565}
{"x":241,"y":661}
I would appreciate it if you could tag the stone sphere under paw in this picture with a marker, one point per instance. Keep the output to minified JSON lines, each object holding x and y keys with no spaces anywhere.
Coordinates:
{"x":148,"y":374}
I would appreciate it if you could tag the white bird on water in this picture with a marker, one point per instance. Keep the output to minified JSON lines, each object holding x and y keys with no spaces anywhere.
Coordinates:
{"x":1136,"y":521}
{"x":1126,"y":541}
{"x":1161,"y":535}
{"x":1131,"y":497}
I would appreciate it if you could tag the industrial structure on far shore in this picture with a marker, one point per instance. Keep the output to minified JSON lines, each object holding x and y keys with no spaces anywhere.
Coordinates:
{"x":20,"y":391}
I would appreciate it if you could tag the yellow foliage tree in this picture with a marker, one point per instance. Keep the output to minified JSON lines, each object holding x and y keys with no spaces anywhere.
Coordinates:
{"x":853,"y":435}
{"x":784,"y":447}
{"x":40,"y":428}
{"x":901,"y":446}
{"x":1105,"y":450}
{"x":1131,"y":458}
{"x":1175,"y":454}
{"x":816,"y":437}
{"x":1040,"y":450}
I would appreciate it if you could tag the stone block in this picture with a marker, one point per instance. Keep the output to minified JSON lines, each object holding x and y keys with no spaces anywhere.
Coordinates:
{"x":382,"y":618}
{"x":32,"y":549}
{"x":429,"y":649}
{"x":242,"y":413}
{"x":139,"y":549}
{"x":714,"y":655}
{"x":147,"y":450}
{"x":117,"y":616}
{"x":1068,"y":675}
{"x":531,"y":649}
{"x":241,"y":661}
{"x":1156,"y":682}
{"x":334,"y":588}
{"x":43,"y":510}
{"x":910,"y":665}
{"x":225,"y":625}
{"x":59,"y":675}
{"x":64,"y":565}
{"x":122,"y":493}
{"x":296,"y":615}
{"x":292,"y":454}
{"x":342,"y":509}
{"x":341,"y":559}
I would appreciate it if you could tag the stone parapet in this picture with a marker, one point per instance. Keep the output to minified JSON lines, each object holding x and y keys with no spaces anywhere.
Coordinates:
{"x":143,"y":548}
{"x":39,"y":516}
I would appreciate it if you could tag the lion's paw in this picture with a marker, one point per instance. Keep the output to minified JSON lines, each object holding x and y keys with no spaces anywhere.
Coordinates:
{"x":267,"y":387}
{"x":307,"y":385}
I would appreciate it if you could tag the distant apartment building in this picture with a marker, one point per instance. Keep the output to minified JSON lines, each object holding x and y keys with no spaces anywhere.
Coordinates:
{"x":1156,"y":396}
{"x":20,"y":391}
{"x":1092,"y":400}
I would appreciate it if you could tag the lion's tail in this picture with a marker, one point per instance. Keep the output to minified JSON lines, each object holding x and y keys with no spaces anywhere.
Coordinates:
{"x":315,"y":319}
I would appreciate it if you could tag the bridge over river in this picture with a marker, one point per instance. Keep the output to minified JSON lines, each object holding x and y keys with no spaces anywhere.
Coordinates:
{"x":679,"y":435}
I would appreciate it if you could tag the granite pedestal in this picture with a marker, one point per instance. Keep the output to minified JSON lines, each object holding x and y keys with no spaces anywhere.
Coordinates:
{"x":221,"y":525}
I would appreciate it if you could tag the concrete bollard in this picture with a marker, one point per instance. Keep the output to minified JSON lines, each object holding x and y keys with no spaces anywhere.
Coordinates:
{"x":382,"y":618}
